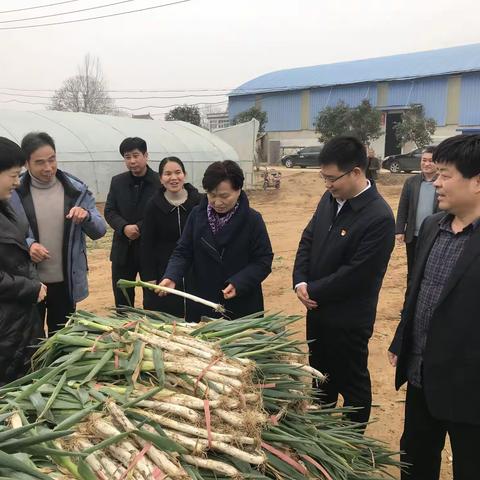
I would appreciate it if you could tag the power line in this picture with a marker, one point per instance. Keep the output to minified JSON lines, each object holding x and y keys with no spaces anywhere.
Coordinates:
{"x":167,"y":106}
{"x":122,"y":98}
{"x":245,"y":91}
{"x":21,"y":101}
{"x":122,"y":107}
{"x":38,"y":6}
{"x":67,"y":13}
{"x":96,"y":18}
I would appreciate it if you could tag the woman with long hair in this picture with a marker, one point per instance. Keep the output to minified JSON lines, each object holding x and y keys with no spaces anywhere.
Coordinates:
{"x":163,"y":223}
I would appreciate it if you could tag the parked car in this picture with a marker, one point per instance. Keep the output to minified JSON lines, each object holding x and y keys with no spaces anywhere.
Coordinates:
{"x":405,"y":162}
{"x":305,"y":157}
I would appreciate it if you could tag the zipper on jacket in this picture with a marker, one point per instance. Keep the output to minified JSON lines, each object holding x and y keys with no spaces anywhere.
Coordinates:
{"x":213,"y":248}
{"x":183,"y":278}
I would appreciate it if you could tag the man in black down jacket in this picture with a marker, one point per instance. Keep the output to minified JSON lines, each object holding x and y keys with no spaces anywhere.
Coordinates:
{"x":436,"y":348}
{"x":124,"y":209}
{"x":339,"y":269}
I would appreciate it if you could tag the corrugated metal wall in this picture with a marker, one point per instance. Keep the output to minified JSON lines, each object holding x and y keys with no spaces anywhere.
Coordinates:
{"x":352,"y":95}
{"x":470,"y":99}
{"x":239,"y":104}
{"x":283,"y":110}
{"x":430,"y":92}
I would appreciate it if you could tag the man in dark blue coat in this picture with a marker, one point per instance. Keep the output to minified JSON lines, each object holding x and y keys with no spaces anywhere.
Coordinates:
{"x":339,"y":268}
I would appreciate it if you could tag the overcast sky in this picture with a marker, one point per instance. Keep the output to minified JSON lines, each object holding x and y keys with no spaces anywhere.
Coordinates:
{"x":214,"y":44}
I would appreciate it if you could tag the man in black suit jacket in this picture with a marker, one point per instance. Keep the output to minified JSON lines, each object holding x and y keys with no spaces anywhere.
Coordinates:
{"x":417,"y":201}
{"x":339,"y":269}
{"x":124,"y":209}
{"x":436,"y":348}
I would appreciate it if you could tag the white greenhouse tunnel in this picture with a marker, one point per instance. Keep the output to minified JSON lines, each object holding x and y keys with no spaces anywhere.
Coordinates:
{"x":87,"y":144}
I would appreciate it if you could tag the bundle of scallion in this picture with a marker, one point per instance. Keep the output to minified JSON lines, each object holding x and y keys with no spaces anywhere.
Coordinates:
{"x":146,"y":396}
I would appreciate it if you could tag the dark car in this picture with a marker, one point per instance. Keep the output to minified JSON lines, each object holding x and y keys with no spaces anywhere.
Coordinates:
{"x":405,"y":162}
{"x":306,"y":157}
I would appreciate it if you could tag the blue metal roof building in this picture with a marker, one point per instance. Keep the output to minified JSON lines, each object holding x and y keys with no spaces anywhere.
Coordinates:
{"x":446,"y":82}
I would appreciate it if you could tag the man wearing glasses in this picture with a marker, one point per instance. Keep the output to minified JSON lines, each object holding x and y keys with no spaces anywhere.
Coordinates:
{"x":339,"y":268}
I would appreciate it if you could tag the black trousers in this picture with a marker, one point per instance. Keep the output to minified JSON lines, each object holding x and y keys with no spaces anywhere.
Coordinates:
{"x":127,"y":270}
{"x":342,"y":354}
{"x":410,"y":247}
{"x":423,"y":440}
{"x":57,"y":306}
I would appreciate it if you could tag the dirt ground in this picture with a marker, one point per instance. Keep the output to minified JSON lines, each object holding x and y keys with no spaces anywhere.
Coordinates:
{"x":286,"y":212}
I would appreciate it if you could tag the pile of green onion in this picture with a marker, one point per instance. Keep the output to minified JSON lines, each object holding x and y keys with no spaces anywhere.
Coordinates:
{"x":143,"y":395}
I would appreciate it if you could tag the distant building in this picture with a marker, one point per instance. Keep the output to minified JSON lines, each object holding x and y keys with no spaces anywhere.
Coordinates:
{"x":217,"y":120}
{"x":446,"y":82}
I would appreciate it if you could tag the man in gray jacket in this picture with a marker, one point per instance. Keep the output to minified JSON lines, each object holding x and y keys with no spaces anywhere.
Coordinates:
{"x":60,"y":211}
{"x":417,"y":201}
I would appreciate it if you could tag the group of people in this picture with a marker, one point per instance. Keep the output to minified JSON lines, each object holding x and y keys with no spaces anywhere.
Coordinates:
{"x":216,"y":246}
{"x":213,"y":245}
{"x":339,"y":268}
{"x":45,"y":215}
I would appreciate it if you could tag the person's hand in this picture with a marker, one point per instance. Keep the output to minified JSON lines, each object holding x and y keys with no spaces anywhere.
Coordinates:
{"x":42,"y":293}
{"x":38,"y":253}
{"x":302,"y":295}
{"x":392,"y":358}
{"x":77,"y":215}
{"x":229,"y":292}
{"x":166,"y":282}
{"x":400,"y":238}
{"x":132,"y":232}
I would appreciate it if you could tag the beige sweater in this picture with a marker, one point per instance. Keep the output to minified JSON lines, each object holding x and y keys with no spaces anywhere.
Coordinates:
{"x":48,"y":201}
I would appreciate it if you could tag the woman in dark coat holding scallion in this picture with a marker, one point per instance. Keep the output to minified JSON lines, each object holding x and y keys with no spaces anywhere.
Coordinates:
{"x":227,"y":244}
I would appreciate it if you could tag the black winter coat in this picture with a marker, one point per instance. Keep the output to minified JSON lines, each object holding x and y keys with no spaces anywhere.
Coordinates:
{"x":20,"y":324}
{"x":163,"y":225}
{"x":125,"y":206}
{"x":451,"y":361}
{"x":343,"y":259}
{"x":240,"y":254}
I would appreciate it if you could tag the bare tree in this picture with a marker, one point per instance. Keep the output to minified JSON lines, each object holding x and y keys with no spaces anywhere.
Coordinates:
{"x":84,"y":92}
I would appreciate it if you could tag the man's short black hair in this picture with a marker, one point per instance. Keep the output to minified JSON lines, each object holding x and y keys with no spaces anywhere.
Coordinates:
{"x":133,"y":143}
{"x":11,"y":155}
{"x":34,"y":140}
{"x":461,"y":151}
{"x":218,"y":172}
{"x":345,"y":152}
{"x":429,"y":149}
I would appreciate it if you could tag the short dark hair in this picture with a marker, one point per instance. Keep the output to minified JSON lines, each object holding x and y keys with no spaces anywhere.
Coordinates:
{"x":345,"y":152}
{"x":133,"y":143}
{"x":218,"y":172}
{"x":11,"y":155}
{"x":34,"y":140}
{"x":165,"y":160}
{"x":462,"y":151}
{"x":429,"y":149}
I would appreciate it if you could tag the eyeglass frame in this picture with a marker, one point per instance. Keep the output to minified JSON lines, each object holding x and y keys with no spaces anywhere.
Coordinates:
{"x":333,"y":180}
